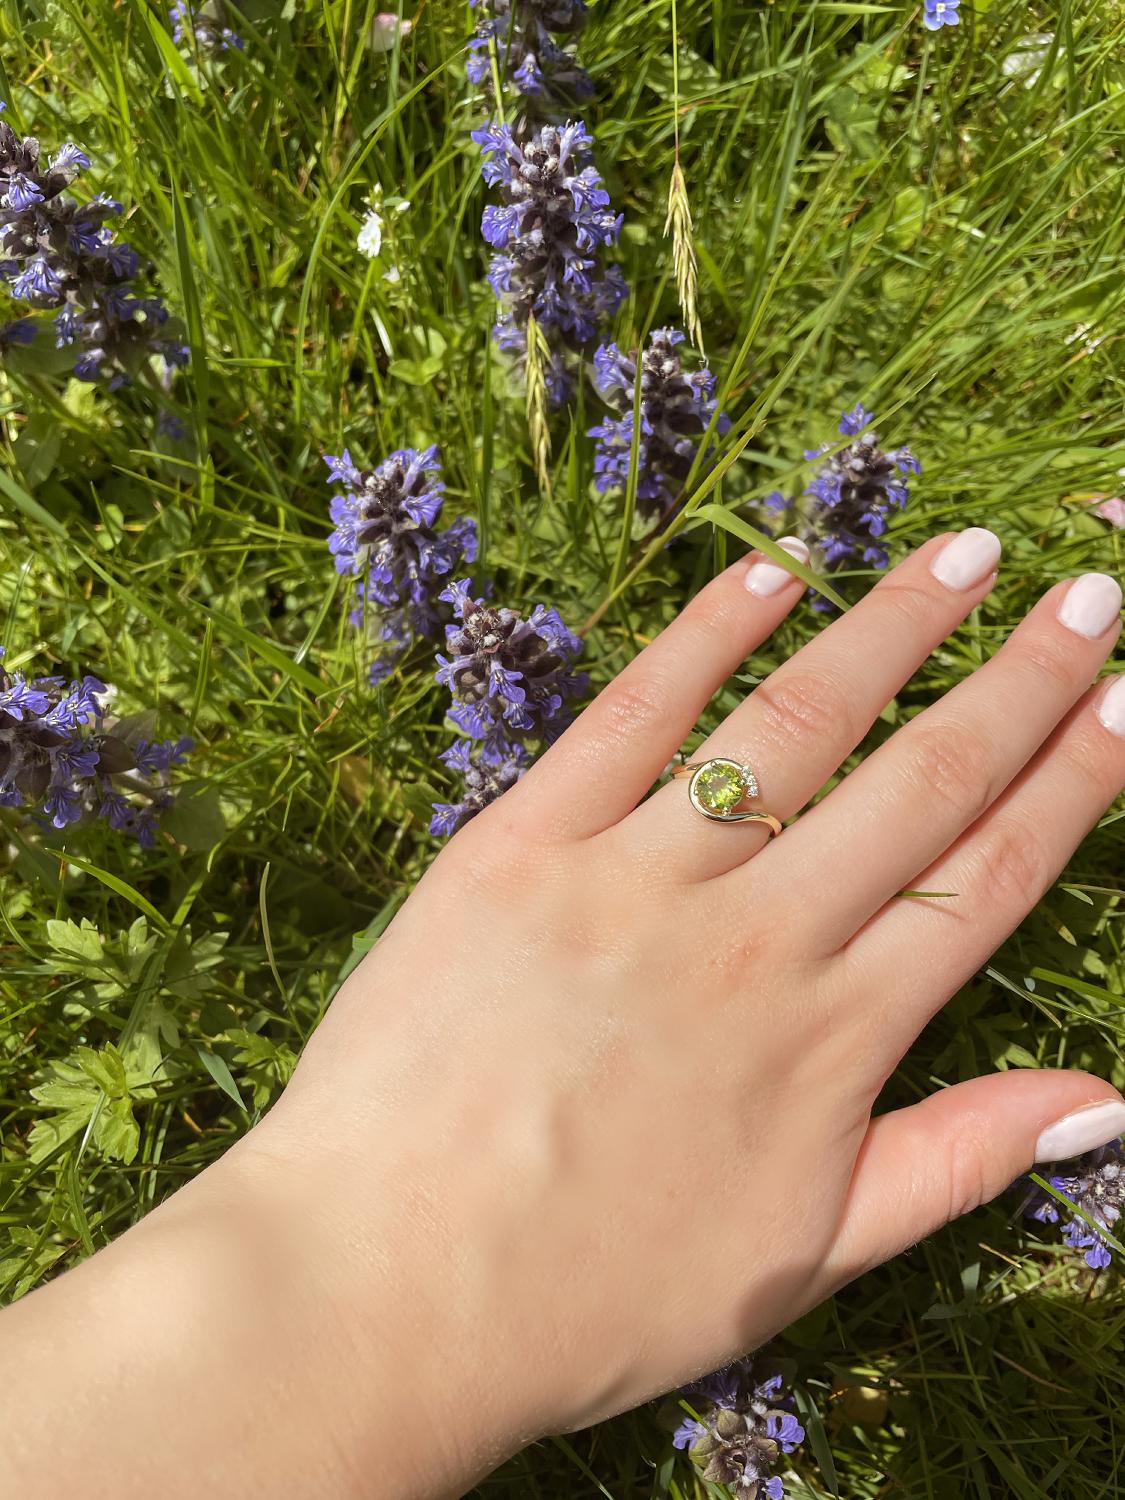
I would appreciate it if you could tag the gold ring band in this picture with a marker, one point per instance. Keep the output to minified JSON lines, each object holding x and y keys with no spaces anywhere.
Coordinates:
{"x":718,"y":788}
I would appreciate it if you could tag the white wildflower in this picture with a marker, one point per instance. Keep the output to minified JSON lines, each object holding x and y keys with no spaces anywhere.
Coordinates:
{"x":370,"y":238}
{"x":386,"y":29}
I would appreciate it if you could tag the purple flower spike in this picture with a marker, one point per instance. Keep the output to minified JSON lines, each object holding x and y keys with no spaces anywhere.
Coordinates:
{"x":545,"y":72}
{"x":553,"y":220}
{"x":386,"y":537}
{"x":58,"y":754}
{"x":676,"y":409}
{"x":512,"y":683}
{"x":855,"y":491}
{"x":744,"y":1428}
{"x":1094,"y":1182}
{"x":60,"y":255}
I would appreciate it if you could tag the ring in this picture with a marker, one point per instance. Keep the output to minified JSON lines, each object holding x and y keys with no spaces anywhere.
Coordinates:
{"x":719,"y":787}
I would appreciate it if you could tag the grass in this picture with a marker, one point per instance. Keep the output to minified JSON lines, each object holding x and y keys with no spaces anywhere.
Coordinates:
{"x":878,"y":213}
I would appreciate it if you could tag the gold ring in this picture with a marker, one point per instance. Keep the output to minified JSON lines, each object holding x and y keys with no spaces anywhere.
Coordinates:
{"x":720,"y":786}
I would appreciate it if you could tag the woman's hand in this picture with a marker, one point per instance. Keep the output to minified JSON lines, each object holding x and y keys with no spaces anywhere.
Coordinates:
{"x":594,"y":1116}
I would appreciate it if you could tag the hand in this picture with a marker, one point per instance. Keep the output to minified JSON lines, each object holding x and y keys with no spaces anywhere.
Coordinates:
{"x":620,"y":1060}
{"x":594,"y":1116}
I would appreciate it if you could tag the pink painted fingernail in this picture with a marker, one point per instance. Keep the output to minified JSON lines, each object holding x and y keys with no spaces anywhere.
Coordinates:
{"x":1091,"y":604}
{"x":1084,"y":1130}
{"x":1111,"y":707}
{"x":766,"y":578}
{"x":967,"y":560}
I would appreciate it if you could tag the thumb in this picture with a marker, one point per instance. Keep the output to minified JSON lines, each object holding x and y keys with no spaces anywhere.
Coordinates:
{"x":922,"y":1166}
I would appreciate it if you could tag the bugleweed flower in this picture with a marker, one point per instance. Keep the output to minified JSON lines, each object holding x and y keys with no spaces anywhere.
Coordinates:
{"x":545,"y":72}
{"x":386,"y":536}
{"x":745,"y":1426}
{"x":58,"y":755}
{"x":854,"y":492}
{"x":203,"y":27}
{"x":56,"y":254}
{"x":554,"y":217}
{"x":675,"y":408}
{"x":487,"y":772}
{"x":1096,"y":1183}
{"x":939,"y":13}
{"x":512,"y":683}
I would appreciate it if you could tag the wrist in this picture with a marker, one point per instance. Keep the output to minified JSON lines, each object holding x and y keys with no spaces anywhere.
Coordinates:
{"x":227,"y":1329}
{"x":384,"y":1321}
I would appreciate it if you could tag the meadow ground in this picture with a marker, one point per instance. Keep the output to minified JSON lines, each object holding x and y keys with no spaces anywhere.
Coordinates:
{"x":931,"y":223}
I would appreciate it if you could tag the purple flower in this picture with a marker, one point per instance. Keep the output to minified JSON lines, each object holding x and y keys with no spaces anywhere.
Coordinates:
{"x":939,"y":13}
{"x":509,"y":677}
{"x":553,"y":220}
{"x":56,"y":253}
{"x":512,"y":683}
{"x":854,"y":421}
{"x":386,"y":536}
{"x":1095,"y":1182}
{"x":744,"y":1426}
{"x":675,"y":409}
{"x":545,"y":72}
{"x":38,"y":283}
{"x":18,"y":331}
{"x":202,"y":27}
{"x":169,"y":425}
{"x":57,"y":754}
{"x":854,"y":492}
{"x":69,"y":158}
{"x":487,"y":771}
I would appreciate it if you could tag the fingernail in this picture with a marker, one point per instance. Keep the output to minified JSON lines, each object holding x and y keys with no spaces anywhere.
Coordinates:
{"x":1111,"y":707}
{"x":1084,"y":1130}
{"x":1091,"y":604}
{"x":967,"y":560}
{"x":766,"y":578}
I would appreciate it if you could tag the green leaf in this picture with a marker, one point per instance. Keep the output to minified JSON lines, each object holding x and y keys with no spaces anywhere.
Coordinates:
{"x":120,"y":887}
{"x":818,"y":1438}
{"x":80,"y":941}
{"x":270,"y":653}
{"x":171,"y":58}
{"x":221,"y":1074}
{"x":718,"y":515}
{"x":91,"y":1086}
{"x":29,"y":507}
{"x":196,"y":818}
{"x":415,"y":371}
{"x":116,"y":1132}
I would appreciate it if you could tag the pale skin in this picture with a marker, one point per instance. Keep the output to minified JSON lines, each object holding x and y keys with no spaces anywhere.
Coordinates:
{"x":595,"y":1115}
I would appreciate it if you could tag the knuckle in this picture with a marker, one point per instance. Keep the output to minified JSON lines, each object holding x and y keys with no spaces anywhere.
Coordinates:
{"x":796,"y":708}
{"x":1015,"y":865}
{"x":631,"y":707}
{"x":905,"y":604}
{"x":1049,"y":661}
{"x":955,"y":767}
{"x":969,"y":1182}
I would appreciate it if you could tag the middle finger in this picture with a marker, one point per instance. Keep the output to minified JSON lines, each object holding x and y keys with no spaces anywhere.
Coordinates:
{"x":907,"y":803}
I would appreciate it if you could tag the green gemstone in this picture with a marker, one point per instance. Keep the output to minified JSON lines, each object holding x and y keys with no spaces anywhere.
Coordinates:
{"x":720,"y":788}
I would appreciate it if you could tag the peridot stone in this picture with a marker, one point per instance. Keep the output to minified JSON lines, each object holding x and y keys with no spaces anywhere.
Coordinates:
{"x":720,"y":787}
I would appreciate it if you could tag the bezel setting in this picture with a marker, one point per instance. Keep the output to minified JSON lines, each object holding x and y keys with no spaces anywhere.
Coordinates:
{"x":719,"y":787}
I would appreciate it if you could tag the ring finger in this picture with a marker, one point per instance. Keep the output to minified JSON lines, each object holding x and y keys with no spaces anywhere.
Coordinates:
{"x":796,"y":728}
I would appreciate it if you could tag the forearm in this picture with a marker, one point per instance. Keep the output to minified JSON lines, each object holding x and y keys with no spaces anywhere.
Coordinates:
{"x":212,"y":1349}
